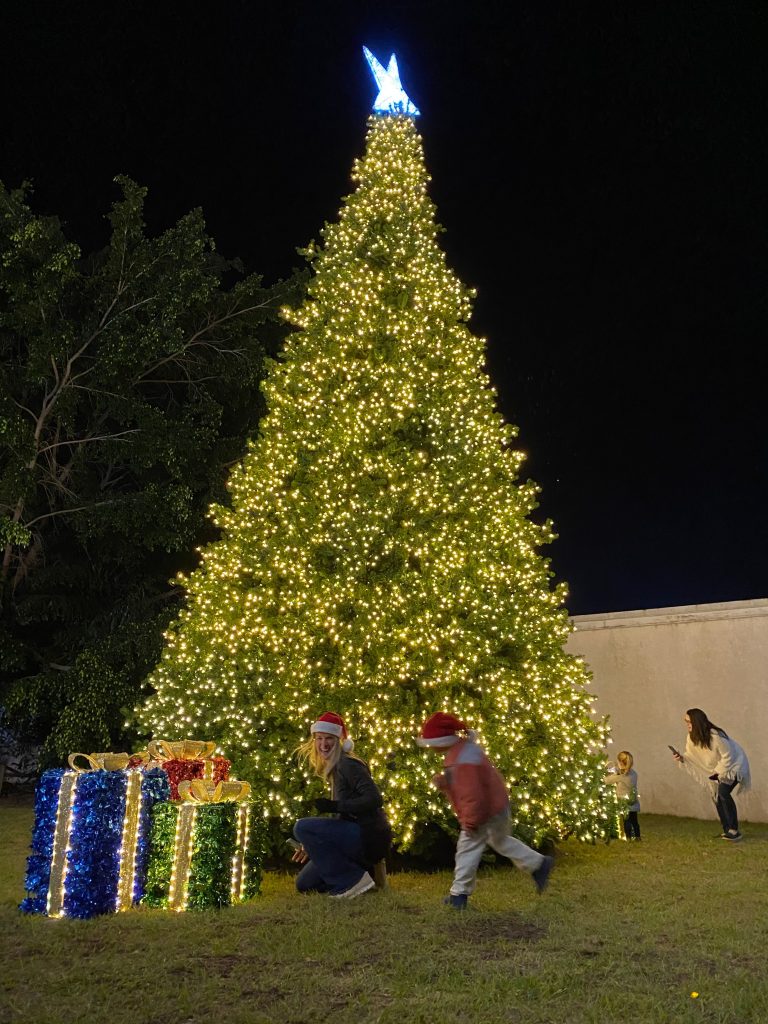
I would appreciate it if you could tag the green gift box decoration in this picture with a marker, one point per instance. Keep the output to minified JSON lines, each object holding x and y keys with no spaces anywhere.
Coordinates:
{"x":207,"y":850}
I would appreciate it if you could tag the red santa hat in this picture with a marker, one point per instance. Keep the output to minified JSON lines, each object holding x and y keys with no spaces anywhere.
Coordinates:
{"x":333,"y":725}
{"x":440,"y":730}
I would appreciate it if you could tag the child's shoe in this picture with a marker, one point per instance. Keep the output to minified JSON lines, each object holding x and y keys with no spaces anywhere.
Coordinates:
{"x":542,"y":872}
{"x":457,"y":902}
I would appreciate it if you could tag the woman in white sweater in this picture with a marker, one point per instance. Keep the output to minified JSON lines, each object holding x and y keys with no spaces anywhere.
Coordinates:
{"x":712,"y":756}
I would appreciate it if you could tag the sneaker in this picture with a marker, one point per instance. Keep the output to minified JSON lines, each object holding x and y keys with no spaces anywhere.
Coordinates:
{"x":365,"y":883}
{"x":732,"y":837}
{"x":457,"y":902}
{"x":542,"y":873}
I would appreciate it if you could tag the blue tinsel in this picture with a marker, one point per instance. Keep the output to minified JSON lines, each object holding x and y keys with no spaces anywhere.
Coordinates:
{"x":94,"y":856}
{"x":93,"y":861}
{"x":39,"y":861}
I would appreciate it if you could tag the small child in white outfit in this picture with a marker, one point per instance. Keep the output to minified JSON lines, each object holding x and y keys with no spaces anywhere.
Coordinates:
{"x":625,"y":781}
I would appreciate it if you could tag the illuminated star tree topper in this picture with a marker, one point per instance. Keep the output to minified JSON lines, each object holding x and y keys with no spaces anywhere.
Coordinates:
{"x":392,"y":98}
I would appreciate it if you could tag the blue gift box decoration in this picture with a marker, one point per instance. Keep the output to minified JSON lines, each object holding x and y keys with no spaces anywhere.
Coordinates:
{"x":91,"y":836}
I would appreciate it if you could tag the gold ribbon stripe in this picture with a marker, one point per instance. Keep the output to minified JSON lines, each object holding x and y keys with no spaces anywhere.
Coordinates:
{"x":130,"y":840}
{"x":59,"y":864}
{"x":238,"y":858}
{"x":182,"y":856}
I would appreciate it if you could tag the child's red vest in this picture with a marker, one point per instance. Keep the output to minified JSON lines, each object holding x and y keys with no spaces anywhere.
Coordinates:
{"x":475,"y":788}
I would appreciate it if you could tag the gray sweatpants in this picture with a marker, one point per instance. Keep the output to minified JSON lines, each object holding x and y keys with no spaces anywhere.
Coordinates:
{"x":471,"y":845}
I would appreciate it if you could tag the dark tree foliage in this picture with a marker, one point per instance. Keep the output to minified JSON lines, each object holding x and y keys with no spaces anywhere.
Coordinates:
{"x":129,"y":382}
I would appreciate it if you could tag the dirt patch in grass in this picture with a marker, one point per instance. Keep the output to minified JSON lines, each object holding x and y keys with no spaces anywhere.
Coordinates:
{"x":500,"y":927}
{"x":270,"y":920}
{"x":347,"y":968}
{"x":412,"y":909}
{"x":224,"y":966}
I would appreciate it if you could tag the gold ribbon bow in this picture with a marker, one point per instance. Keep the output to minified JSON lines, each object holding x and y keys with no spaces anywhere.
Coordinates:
{"x":181,"y":750}
{"x":200,"y":791}
{"x":108,"y":762}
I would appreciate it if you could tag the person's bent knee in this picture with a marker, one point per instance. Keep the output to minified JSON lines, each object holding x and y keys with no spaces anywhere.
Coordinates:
{"x":302,"y":829}
{"x":309,"y":880}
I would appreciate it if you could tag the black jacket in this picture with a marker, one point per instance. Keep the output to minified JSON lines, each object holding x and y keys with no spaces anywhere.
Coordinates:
{"x":359,"y":800}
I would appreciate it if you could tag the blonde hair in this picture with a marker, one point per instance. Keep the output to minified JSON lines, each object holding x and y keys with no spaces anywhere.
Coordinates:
{"x":323,"y":767}
{"x":625,"y":761}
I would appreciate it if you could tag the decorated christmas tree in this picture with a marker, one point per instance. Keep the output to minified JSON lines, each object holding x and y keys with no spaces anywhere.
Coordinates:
{"x":379,"y":557}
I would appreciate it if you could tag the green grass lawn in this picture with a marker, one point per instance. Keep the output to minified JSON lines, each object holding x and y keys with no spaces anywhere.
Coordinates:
{"x":624,"y":933}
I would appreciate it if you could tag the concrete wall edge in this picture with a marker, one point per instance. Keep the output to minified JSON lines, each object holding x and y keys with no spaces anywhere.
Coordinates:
{"x":671,"y":616}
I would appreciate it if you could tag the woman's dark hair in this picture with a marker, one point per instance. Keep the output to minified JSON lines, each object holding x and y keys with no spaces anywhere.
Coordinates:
{"x":701,"y":728}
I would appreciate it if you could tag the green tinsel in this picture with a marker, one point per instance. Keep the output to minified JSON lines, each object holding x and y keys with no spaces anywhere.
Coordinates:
{"x":258,"y":834}
{"x":214,"y":846}
{"x":160,"y":861}
{"x":214,"y":842}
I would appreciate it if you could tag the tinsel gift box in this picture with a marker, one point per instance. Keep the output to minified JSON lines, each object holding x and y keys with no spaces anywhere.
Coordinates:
{"x":187,"y":760}
{"x":206,"y":851}
{"x":91,"y":836}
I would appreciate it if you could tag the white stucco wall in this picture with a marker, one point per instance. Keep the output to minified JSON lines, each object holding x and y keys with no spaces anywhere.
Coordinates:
{"x":650,"y":666}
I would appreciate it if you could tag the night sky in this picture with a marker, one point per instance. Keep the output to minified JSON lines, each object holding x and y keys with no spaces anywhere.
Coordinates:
{"x":601,"y":172}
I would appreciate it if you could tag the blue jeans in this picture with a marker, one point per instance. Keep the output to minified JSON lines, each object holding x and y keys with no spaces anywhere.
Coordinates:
{"x":335,"y":849}
{"x":726,"y":808}
{"x":631,"y":825}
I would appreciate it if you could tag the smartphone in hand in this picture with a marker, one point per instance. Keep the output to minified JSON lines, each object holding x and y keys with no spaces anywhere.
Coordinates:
{"x":675,"y":752}
{"x":298,"y":854}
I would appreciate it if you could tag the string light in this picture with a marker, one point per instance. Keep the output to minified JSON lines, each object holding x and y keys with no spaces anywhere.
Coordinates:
{"x":238,"y":876}
{"x":182,"y":856}
{"x":61,"y":845}
{"x":126,"y":886}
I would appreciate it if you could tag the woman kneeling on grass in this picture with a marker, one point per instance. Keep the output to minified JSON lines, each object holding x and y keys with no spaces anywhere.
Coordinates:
{"x":338,"y":853}
{"x":710,"y":754}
